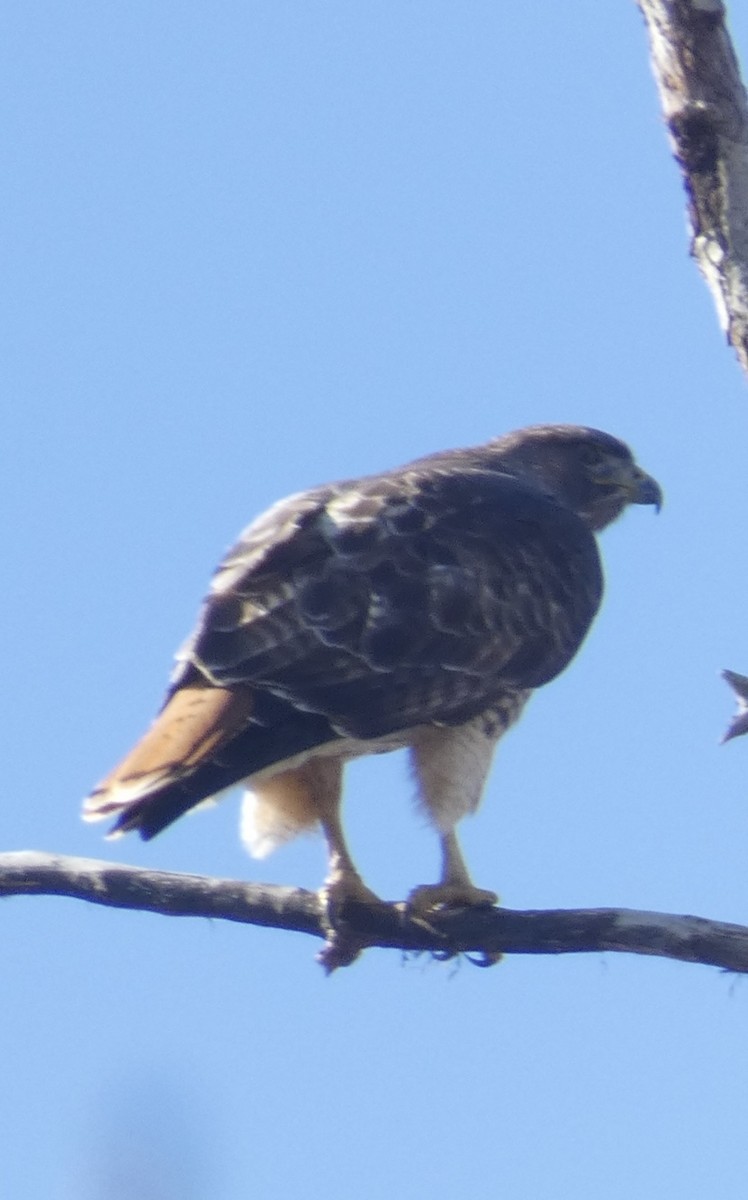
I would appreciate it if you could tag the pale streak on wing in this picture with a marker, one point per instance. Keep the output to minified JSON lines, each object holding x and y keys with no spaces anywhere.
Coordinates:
{"x":271,"y":535}
{"x":401,"y":599}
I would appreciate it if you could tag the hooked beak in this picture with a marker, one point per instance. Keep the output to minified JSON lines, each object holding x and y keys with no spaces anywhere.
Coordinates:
{"x":643,"y":489}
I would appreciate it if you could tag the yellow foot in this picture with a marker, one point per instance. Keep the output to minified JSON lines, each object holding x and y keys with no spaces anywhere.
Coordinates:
{"x":338,"y":890}
{"x":341,"y":947}
{"x":432,"y":896}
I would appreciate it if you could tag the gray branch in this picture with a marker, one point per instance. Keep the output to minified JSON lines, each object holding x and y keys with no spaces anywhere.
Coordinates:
{"x":486,"y":933}
{"x":706,"y":111}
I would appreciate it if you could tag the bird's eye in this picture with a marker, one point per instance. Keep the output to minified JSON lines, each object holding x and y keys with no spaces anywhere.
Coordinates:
{"x":599,"y":467}
{"x":592,"y":457}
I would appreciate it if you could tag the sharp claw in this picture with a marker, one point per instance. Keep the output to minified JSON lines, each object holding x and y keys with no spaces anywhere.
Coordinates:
{"x":341,"y":948}
{"x":431,"y":896}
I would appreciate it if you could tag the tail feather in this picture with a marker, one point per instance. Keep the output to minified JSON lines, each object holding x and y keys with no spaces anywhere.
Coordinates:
{"x":204,"y":741}
{"x":191,"y":727}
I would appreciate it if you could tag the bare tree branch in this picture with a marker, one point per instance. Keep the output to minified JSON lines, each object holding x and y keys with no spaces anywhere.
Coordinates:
{"x":488,"y":933}
{"x":706,"y":110}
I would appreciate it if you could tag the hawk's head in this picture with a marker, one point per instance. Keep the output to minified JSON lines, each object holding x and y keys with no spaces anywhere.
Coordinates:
{"x":586,"y":470}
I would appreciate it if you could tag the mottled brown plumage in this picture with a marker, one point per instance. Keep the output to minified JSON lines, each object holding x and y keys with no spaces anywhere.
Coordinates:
{"x":415,"y":608}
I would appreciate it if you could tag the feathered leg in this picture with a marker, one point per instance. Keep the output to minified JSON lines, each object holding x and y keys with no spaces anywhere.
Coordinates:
{"x":451,"y":765}
{"x":343,"y":881}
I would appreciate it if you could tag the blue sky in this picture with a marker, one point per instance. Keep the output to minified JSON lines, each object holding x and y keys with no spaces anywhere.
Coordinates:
{"x":247,"y":248}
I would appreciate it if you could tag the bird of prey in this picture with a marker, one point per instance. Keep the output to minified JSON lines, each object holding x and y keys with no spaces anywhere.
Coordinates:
{"x":418,"y":608}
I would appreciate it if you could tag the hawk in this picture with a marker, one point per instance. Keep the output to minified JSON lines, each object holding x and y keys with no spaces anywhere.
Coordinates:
{"x":418,"y":608}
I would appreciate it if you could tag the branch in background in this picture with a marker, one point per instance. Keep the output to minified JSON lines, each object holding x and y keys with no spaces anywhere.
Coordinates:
{"x":488,"y":933}
{"x":706,"y":110}
{"x":739,"y":723}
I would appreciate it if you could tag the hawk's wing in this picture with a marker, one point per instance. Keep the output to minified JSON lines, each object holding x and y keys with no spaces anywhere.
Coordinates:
{"x":400,"y":600}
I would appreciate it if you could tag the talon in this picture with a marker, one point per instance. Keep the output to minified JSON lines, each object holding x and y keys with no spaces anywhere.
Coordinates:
{"x":488,"y":958}
{"x":432,"y":896}
{"x":338,"y":951}
{"x":339,"y":889}
{"x":341,"y":948}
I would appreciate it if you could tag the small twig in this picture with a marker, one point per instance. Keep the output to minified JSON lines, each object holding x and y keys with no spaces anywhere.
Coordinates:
{"x":706,"y":110}
{"x":486,"y":932}
{"x":739,"y":723}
